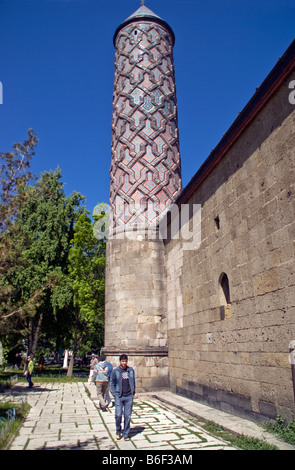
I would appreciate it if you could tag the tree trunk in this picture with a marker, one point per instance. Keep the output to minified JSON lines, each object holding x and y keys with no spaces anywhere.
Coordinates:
{"x":36,"y":335}
{"x":77,"y":342}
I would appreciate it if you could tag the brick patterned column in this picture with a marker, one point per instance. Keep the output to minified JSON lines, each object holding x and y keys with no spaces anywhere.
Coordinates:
{"x":145,"y":168}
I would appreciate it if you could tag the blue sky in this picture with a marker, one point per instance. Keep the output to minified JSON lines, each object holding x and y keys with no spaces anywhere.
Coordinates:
{"x":57,"y":69}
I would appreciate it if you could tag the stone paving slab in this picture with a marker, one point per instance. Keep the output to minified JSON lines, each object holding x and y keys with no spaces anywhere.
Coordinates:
{"x":229,"y":422}
{"x":63,"y":416}
{"x":66,"y":416}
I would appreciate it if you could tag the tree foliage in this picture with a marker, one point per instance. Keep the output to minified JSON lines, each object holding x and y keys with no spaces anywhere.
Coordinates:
{"x":15,"y":176}
{"x":36,"y":232}
{"x":51,"y":264}
{"x":87,"y":272}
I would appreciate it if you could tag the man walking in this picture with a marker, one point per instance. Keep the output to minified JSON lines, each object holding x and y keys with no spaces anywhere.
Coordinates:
{"x":109,"y":399}
{"x":101,"y":380}
{"x":122,"y":386}
{"x":30,"y":369}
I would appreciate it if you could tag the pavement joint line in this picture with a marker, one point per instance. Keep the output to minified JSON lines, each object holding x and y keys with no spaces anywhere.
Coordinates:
{"x":106,"y":427}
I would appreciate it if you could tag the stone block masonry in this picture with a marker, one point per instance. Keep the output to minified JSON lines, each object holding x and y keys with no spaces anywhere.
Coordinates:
{"x":238,"y":360}
{"x":135,"y":320}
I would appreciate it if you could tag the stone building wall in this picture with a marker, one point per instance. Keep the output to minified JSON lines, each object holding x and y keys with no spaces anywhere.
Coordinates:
{"x":230,"y":348}
{"x":213,"y":320}
{"x":135,"y":320}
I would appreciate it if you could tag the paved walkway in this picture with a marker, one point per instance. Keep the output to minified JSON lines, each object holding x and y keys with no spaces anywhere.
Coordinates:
{"x":66,"y":416}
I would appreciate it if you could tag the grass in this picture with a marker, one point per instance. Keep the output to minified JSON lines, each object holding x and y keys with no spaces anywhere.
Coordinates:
{"x":48,"y":374}
{"x":21,"y":413}
{"x":6,"y":380}
{"x":53,"y":378}
{"x":240,"y":441}
{"x":284,"y":431}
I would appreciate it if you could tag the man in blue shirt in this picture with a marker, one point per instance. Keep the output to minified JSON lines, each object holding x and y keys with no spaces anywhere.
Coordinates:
{"x":109,"y":400}
{"x":122,"y":386}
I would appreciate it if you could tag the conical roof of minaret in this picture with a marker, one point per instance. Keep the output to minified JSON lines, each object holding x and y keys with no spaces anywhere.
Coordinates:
{"x":141,"y":12}
{"x":144,"y":13}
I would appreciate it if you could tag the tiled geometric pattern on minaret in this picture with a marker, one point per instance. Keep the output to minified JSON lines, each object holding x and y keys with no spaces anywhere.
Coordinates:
{"x":145,"y":168}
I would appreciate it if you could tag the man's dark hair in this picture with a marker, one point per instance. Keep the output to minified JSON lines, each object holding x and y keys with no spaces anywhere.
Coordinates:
{"x":123,"y":356}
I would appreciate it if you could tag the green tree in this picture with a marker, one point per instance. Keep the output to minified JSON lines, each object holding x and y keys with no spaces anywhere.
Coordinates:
{"x":15,"y":175}
{"x":87,"y":272}
{"x":42,"y":232}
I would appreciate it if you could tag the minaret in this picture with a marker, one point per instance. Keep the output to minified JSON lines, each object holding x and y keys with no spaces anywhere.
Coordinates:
{"x":145,"y":180}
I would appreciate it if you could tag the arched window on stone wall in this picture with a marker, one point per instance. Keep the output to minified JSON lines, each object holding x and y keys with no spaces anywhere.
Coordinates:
{"x":224,"y":294}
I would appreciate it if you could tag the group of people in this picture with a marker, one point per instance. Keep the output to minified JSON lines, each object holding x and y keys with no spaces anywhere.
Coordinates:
{"x":118,"y":382}
{"x":115,"y":387}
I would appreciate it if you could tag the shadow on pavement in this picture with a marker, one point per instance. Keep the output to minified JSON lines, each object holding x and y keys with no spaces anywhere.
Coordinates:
{"x":89,"y":444}
{"x":17,"y":389}
{"x":136,"y":430}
